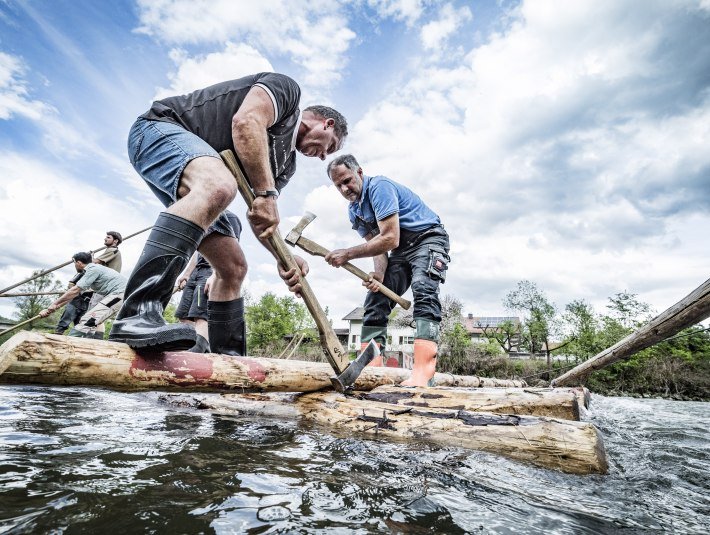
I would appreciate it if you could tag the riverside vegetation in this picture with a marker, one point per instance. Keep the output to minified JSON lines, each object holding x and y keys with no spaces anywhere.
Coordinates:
{"x":553,"y":341}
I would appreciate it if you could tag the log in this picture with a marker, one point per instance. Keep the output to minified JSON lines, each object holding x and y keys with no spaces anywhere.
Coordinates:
{"x":41,"y":358}
{"x":555,"y":403}
{"x":568,"y":446}
{"x":692,"y":309}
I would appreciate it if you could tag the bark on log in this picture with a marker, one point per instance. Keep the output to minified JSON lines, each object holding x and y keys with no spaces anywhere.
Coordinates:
{"x":62,"y":360}
{"x":690,"y":310}
{"x":554,"y":403}
{"x":572,"y":447}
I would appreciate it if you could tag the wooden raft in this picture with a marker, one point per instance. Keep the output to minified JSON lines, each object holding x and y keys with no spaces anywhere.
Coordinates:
{"x":442,"y":416}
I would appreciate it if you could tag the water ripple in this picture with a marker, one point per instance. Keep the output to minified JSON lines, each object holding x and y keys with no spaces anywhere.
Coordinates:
{"x":90,"y":460}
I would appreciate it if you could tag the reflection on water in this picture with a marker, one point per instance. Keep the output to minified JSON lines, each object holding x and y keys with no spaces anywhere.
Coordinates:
{"x":88,"y":460}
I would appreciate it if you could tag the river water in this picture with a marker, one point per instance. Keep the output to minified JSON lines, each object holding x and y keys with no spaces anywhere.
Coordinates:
{"x":84,"y":460}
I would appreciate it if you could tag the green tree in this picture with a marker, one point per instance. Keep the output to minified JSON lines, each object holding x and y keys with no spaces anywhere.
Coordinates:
{"x":625,"y":308}
{"x":272,"y":318}
{"x":540,"y":322}
{"x":29,"y":306}
{"x":583,"y":326}
{"x":506,"y":335}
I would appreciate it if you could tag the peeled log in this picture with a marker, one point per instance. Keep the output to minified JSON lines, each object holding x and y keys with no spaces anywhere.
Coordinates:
{"x":572,"y":447}
{"x":32,"y":357}
{"x":555,"y":403}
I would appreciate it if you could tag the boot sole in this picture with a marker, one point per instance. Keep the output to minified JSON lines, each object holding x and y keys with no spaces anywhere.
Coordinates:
{"x":162,"y":341}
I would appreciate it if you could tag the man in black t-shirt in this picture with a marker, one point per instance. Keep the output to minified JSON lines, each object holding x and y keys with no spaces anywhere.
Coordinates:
{"x":175,"y":147}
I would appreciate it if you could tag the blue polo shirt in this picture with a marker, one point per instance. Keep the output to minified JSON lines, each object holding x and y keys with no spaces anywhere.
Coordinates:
{"x":380,"y":198}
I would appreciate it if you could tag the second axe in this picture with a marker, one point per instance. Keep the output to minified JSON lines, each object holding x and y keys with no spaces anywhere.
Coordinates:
{"x":295,"y":238}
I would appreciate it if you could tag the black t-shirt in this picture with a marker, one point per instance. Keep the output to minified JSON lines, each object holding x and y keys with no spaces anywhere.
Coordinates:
{"x":208,"y":113}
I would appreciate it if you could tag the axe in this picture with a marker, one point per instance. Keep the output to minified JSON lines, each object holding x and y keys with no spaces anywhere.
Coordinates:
{"x":346,"y":372}
{"x":294,"y":238}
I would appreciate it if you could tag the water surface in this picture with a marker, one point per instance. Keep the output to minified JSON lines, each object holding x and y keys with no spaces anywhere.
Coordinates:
{"x":80,"y":460}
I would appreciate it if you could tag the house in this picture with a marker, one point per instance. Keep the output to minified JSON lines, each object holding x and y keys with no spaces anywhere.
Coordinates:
{"x":476,"y":326}
{"x":402,"y":338}
{"x":398,"y":338}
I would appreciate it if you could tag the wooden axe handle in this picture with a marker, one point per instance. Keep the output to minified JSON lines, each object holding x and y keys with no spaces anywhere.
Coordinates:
{"x":318,"y":250}
{"x":329,"y":340}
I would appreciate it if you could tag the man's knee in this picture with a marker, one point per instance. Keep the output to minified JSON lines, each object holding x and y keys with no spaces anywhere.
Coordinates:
{"x":233,"y":269}
{"x":210,"y":181}
{"x":222,"y":194}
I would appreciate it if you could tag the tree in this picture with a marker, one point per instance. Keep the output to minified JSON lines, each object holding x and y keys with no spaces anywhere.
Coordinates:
{"x":629,"y":311}
{"x":583,"y":325}
{"x":272,"y":318}
{"x":506,"y":334}
{"x":31,"y":305}
{"x":539,"y":322}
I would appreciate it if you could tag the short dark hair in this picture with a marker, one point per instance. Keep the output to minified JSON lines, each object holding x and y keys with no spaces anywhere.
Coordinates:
{"x":341,"y":124}
{"x":115,"y":235}
{"x":84,"y":258}
{"x":348,"y":160}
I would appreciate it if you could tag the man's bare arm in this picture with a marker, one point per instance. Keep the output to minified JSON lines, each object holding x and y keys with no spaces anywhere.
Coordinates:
{"x":67,"y":296}
{"x":251,"y":142}
{"x":385,"y":241}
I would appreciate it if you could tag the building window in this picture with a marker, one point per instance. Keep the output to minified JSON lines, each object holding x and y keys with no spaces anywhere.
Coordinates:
{"x":389,"y":340}
{"x":354,"y":339}
{"x":401,"y":340}
{"x":408,"y":340}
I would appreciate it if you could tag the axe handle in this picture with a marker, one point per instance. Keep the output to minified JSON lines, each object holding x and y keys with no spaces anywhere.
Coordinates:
{"x":313,"y":248}
{"x":331,"y":345}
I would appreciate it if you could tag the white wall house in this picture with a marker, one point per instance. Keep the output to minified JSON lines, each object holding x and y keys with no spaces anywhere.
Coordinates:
{"x":402,"y":338}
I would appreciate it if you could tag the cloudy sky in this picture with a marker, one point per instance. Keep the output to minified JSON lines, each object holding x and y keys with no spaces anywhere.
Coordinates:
{"x":560,"y":142}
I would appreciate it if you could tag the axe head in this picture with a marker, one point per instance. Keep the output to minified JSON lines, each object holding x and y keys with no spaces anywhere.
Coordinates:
{"x":346,"y":380}
{"x":292,"y":237}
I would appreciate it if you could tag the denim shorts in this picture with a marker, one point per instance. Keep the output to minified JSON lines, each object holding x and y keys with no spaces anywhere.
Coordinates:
{"x":159,"y":152}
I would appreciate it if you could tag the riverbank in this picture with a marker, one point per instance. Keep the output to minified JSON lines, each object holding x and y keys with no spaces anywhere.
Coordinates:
{"x":646,"y":375}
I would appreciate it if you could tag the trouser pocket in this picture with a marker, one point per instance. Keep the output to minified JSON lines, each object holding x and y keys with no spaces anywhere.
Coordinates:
{"x":438,"y":264}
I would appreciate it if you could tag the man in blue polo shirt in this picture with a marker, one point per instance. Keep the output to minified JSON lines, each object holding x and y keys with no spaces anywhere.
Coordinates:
{"x":409,"y":247}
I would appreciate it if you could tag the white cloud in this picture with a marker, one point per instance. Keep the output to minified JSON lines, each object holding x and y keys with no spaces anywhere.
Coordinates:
{"x":48,"y":216}
{"x":436,"y":32}
{"x":14,"y":98}
{"x":193,"y":73}
{"x":313,"y":34}
{"x":560,"y":152}
{"x":408,"y":10}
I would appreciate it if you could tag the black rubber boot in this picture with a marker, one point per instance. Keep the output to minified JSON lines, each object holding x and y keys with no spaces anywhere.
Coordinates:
{"x":226,"y":327}
{"x":140,"y":322}
{"x":201,"y":345}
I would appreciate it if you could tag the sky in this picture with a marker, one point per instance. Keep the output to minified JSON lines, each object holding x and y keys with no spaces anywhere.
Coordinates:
{"x":565,"y":143}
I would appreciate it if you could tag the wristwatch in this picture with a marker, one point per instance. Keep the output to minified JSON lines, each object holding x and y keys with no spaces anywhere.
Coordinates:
{"x":266,"y":193}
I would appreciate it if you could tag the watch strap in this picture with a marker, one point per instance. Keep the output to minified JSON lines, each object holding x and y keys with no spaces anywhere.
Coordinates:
{"x":266,"y":193}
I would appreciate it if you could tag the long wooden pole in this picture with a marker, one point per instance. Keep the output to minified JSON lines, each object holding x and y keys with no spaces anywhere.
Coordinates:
{"x":28,"y":294}
{"x":690,"y":310}
{"x":18,"y":325}
{"x":329,"y":340}
{"x":55,"y":268}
